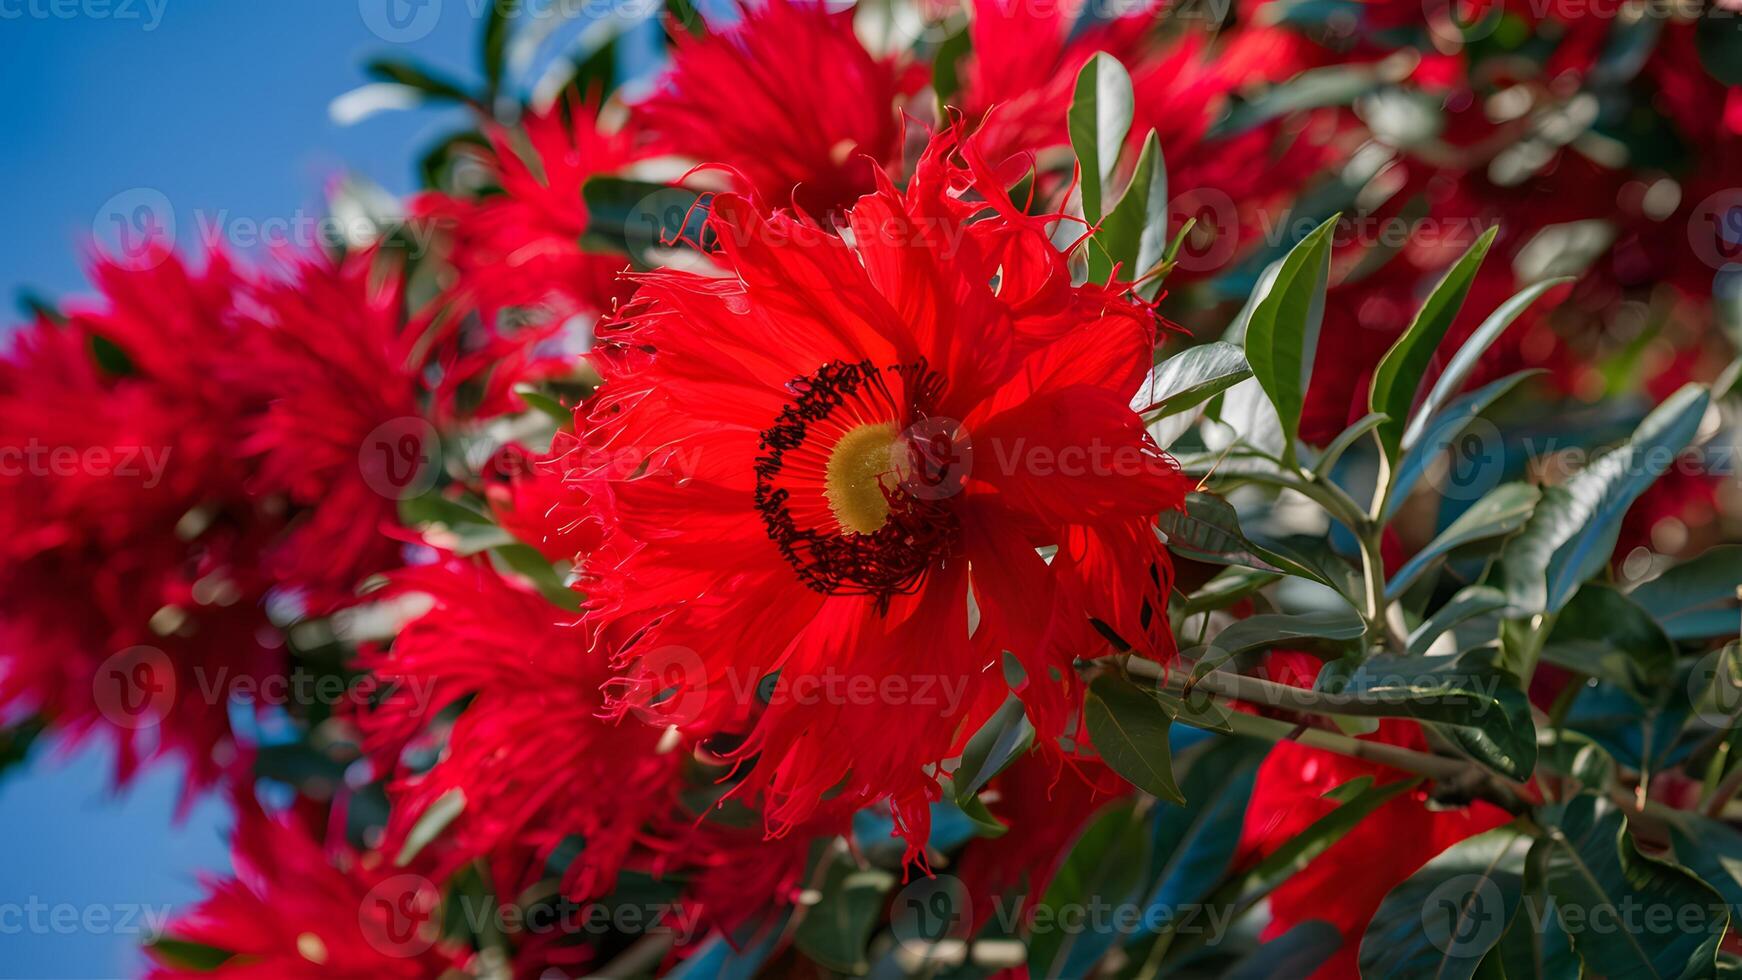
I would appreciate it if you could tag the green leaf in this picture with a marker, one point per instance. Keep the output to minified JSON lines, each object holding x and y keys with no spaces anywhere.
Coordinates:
{"x":1005,"y":737}
{"x":110,"y":357}
{"x":1711,"y":849}
{"x":1129,"y":729}
{"x":1574,"y":528}
{"x":1502,"y":511}
{"x":1282,"y":335}
{"x":1697,"y":600}
{"x":1227,"y":587}
{"x":1606,"y":635}
{"x":1327,"y":461}
{"x":1446,"y":427}
{"x":417,"y":77}
{"x":1279,"y":630}
{"x":538,"y":401}
{"x":1134,"y":232}
{"x":1444,"y":918}
{"x":1635,"y":916}
{"x":1194,"y":844}
{"x":1468,"y":693}
{"x":494,"y":41}
{"x":638,"y":217}
{"x":1209,"y":530}
{"x":1399,"y":374}
{"x":1105,"y":867}
{"x":946,"y":65}
{"x":835,"y":931}
{"x":525,"y":561}
{"x":1098,"y":120}
{"x":1470,"y":602}
{"x":1190,"y":378}
{"x":184,"y":954}
{"x":1464,"y":361}
{"x":435,"y":818}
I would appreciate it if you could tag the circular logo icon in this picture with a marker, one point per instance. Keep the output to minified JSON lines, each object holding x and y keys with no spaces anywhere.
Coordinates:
{"x":937,"y":454}
{"x":1215,"y":228}
{"x":931,"y":912}
{"x":399,"y":458}
{"x":1458,"y":22}
{"x":137,"y":225}
{"x":400,"y":21}
{"x":1464,"y":915}
{"x":1474,"y":461}
{"x":671,"y":687}
{"x":135,"y":688}
{"x":1715,"y":228}
{"x":1715,"y":687}
{"x":397,"y":916}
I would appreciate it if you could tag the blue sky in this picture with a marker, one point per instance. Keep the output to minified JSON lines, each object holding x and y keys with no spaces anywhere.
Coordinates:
{"x":220,"y":107}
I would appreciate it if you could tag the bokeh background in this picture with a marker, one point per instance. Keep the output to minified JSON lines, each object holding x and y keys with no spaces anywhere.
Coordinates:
{"x":222,"y":108}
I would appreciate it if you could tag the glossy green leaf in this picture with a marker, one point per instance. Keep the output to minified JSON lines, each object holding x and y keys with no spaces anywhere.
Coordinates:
{"x":1002,"y":740}
{"x":1628,"y":915}
{"x":1357,"y":430}
{"x":1098,"y":121}
{"x":435,"y":818}
{"x":1282,"y":334}
{"x":1445,"y":429}
{"x":1444,"y":918}
{"x":1606,"y":635}
{"x":1697,"y":599}
{"x":835,"y":931}
{"x":1570,"y":536}
{"x":1134,"y":231}
{"x":1190,"y":378}
{"x":1399,"y":374}
{"x":1104,"y":866}
{"x":1470,"y":602}
{"x":1129,"y":728}
{"x":1502,"y":511}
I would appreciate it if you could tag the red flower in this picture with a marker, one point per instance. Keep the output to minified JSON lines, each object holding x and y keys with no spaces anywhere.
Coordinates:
{"x":129,"y":592}
{"x":296,"y":908}
{"x":533,"y":502}
{"x":788,"y":99}
{"x":1387,"y":847}
{"x":342,"y":435}
{"x":807,"y":468}
{"x":530,"y":754}
{"x":521,"y":248}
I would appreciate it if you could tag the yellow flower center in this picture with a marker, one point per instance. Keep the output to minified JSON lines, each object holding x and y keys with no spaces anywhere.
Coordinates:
{"x":862,"y":465}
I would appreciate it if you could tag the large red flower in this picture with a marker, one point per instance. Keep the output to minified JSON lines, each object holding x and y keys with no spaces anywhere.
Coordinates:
{"x":789,"y":99}
{"x":808,"y":467}
{"x":531,"y":755}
